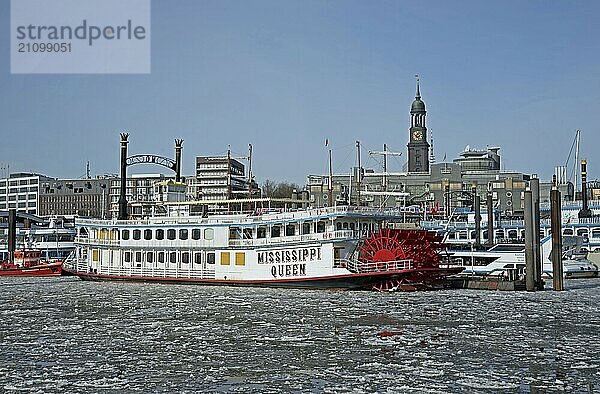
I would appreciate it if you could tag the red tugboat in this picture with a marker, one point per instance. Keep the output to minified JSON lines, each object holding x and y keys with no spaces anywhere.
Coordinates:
{"x":422,"y":247}
{"x":30,"y":263}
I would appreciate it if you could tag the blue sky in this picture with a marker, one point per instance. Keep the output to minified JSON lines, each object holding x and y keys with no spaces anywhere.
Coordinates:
{"x":286,"y":75}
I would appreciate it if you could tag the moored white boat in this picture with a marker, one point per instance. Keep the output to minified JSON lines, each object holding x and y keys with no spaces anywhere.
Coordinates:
{"x":315,"y":248}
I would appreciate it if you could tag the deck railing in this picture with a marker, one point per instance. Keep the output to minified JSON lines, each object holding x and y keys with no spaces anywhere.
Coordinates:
{"x":363,"y":267}
{"x":331,"y":235}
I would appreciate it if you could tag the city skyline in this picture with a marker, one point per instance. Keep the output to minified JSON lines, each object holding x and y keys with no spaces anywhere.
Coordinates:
{"x":287,"y":76}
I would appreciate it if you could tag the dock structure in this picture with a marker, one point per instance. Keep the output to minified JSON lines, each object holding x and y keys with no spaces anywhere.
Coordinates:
{"x":555,"y":219}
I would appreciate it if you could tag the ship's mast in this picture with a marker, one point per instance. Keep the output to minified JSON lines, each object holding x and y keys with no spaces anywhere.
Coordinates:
{"x":249,"y":170}
{"x":358,"y":175}
{"x":576,"y":163}
{"x":330,"y":181}
{"x":385,"y":153}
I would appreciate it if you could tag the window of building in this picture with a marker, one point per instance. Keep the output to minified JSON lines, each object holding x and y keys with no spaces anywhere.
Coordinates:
{"x":137,"y":234}
{"x":196,"y":234}
{"x":160,"y":234}
{"x":261,"y":232}
{"x":210,"y":258}
{"x":320,"y":226}
{"x":138,"y":257}
{"x":147,"y":234}
{"x":161,"y":257}
{"x":173,"y":257}
{"x":183,"y":234}
{"x":197,"y":258}
{"x":247,"y":233}
{"x":290,"y":230}
{"x":209,"y":234}
{"x":240,"y":258}
{"x":171,"y":234}
{"x":150,"y":257}
{"x":306,"y":228}
{"x":185,"y":257}
{"x":275,"y":231}
{"x":225,"y":258}
{"x":95,"y":255}
{"x":127,"y":257}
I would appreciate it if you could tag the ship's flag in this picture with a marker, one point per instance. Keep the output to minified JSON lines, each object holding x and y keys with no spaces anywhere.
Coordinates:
{"x":326,"y":141}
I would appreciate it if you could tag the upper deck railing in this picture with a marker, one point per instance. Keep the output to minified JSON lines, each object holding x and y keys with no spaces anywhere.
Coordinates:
{"x":247,"y":218}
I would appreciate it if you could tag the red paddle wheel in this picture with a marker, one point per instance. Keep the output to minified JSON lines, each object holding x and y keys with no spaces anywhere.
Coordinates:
{"x":387,"y":249}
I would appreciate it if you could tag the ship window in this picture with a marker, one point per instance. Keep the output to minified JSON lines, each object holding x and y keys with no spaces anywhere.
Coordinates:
{"x":150,"y":257}
{"x":197,"y":258}
{"x":127,"y":256}
{"x":137,"y":234}
{"x":247,"y":233}
{"x":275,"y":231}
{"x":512,"y":234}
{"x":290,"y":230}
{"x":160,"y":234}
{"x":224,"y":258}
{"x":345,"y":225}
{"x":261,"y":232}
{"x":485,"y":234}
{"x":338,"y":226}
{"x":209,"y":234}
{"x":161,"y":257}
{"x":305,"y":228}
{"x":596,"y":233}
{"x":320,"y":227}
{"x":462,"y":235}
{"x":171,"y":234}
{"x":240,"y":258}
{"x":210,"y":258}
{"x":500,"y":233}
{"x":125,"y":235}
{"x":148,"y":235}
{"x":568,"y":231}
{"x":185,"y":257}
{"x":138,"y":257}
{"x":582,"y":232}
{"x":95,"y":255}
{"x":183,"y":234}
{"x":196,"y":234}
{"x":173,"y":257}
{"x":351,"y":226}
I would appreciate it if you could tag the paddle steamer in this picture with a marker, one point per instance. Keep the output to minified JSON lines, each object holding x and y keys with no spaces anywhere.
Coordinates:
{"x":336,"y":247}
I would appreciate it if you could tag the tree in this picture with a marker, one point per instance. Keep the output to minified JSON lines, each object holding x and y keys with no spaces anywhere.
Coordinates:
{"x":274,"y":189}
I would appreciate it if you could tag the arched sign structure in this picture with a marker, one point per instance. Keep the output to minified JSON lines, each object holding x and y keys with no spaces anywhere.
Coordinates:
{"x":174,"y":165}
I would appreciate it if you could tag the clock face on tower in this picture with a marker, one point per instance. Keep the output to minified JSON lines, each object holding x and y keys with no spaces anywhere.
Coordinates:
{"x":417,"y":135}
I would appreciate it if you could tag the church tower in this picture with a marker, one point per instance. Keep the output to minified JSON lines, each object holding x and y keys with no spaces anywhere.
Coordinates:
{"x":418,"y":147}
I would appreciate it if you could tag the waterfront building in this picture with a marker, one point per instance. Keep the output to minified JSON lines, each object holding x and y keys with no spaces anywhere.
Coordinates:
{"x":21,"y":191}
{"x":81,"y":197}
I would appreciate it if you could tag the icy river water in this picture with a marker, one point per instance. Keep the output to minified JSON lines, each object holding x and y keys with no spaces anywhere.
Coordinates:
{"x":65,"y":335}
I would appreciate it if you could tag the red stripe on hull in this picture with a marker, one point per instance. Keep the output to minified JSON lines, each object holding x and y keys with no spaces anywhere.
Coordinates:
{"x":347,"y":282}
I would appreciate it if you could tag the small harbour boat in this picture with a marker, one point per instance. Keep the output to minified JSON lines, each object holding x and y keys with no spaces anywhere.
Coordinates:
{"x":326,"y":248}
{"x":30,"y":263}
